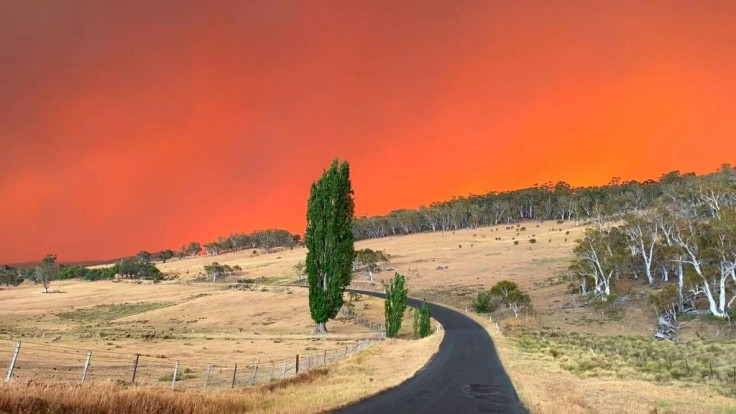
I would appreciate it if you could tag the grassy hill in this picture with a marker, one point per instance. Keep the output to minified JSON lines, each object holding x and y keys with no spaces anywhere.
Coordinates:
{"x":560,"y":354}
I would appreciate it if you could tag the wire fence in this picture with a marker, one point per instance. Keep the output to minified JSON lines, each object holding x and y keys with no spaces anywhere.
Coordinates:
{"x":44,"y":362}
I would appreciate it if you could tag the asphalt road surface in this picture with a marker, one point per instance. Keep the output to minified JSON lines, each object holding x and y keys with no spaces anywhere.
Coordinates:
{"x":465,"y":376}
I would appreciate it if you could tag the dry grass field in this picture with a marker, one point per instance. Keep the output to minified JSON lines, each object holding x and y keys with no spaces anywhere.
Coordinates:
{"x":380,"y":367}
{"x":175,"y":321}
{"x":561,"y":357}
{"x":195,"y":325}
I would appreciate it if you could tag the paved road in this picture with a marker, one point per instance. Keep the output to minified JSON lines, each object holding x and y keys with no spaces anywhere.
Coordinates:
{"x":465,"y":376}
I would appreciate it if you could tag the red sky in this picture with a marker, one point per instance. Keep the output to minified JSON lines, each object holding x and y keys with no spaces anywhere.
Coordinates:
{"x":144,"y":125}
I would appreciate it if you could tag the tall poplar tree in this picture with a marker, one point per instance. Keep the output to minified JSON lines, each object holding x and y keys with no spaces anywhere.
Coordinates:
{"x":329,"y":240}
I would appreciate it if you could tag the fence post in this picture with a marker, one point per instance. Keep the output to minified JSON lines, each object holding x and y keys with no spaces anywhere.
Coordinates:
{"x":255,"y":370}
{"x":135,"y":368}
{"x":207,"y":379}
{"x":11,"y":367}
{"x":309,"y":362}
{"x":324,"y":358}
{"x":283,"y":374}
{"x":273,"y":365}
{"x":297,"y":364}
{"x":176,"y":372}
{"x":86,"y":366}
{"x":235,"y":371}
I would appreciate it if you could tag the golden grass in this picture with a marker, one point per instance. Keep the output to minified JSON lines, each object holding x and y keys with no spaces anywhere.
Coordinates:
{"x":195,"y":324}
{"x":203,"y":319}
{"x":380,"y":367}
{"x":436,"y":268}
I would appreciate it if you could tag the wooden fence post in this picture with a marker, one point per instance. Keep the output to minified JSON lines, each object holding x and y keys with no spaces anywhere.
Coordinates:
{"x":207,"y":379}
{"x":176,"y":372}
{"x":135,"y":368}
{"x":283,"y":374}
{"x":235,"y":371}
{"x":324,"y":358}
{"x":273,"y":365}
{"x":11,"y":367}
{"x":86,"y":366}
{"x":255,"y":370}
{"x":297,"y":364}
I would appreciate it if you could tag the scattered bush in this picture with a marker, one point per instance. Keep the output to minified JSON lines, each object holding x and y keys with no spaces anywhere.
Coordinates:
{"x":483,"y":302}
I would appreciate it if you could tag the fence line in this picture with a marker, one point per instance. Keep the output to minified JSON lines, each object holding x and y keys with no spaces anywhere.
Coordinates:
{"x":29,"y":361}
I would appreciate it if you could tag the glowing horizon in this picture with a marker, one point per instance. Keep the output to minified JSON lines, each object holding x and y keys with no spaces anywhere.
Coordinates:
{"x":130,"y":127}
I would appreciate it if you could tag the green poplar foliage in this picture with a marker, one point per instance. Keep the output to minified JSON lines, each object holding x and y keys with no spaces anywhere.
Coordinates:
{"x":395,"y":305}
{"x":425,"y":328}
{"x":329,"y":240}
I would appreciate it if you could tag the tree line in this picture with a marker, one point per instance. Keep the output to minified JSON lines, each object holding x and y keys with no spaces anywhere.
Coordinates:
{"x":261,"y":239}
{"x":548,"y":201}
{"x":683,"y":241}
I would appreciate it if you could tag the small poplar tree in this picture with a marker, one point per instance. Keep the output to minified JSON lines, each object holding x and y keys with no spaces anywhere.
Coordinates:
{"x":395,"y":304}
{"x":425,"y":328}
{"x":329,"y":240}
{"x":415,"y":313}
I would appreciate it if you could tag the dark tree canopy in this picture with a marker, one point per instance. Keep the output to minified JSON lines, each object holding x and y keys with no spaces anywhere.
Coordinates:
{"x":165,"y":255}
{"x":329,"y":240}
{"x":10,"y":276}
{"x":143,"y":256}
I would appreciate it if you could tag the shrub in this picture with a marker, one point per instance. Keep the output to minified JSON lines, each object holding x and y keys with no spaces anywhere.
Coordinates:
{"x":483,"y":302}
{"x":532,"y":241}
{"x":516,"y":242}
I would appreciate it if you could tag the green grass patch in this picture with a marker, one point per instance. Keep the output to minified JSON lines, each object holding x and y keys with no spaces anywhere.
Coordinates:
{"x":104,"y":313}
{"x":629,"y":357}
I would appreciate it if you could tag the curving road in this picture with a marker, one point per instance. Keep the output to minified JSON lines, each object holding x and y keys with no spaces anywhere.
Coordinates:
{"x":465,"y":376}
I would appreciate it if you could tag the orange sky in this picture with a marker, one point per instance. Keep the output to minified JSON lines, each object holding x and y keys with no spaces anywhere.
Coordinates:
{"x":144,"y":125}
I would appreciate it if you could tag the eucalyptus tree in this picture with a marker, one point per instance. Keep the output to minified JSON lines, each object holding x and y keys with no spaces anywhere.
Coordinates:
{"x":193,"y":248}
{"x":369,"y":260}
{"x":143,"y":256}
{"x":599,"y":257}
{"x":45,"y":271}
{"x":642,"y":234}
{"x":165,"y":255}
{"x":216,"y":270}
